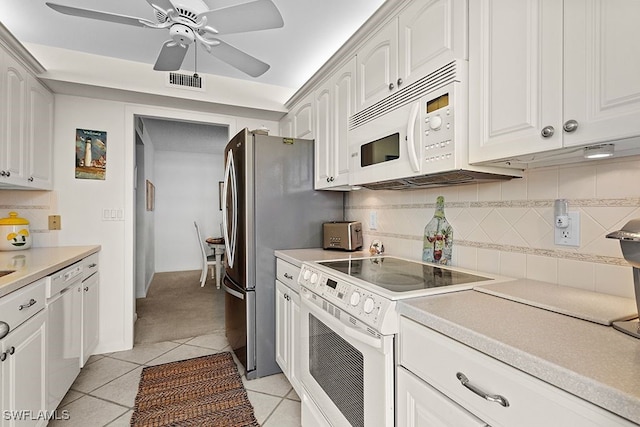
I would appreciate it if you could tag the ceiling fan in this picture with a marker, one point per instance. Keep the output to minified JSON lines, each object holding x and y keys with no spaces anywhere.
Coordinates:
{"x":191,"y":22}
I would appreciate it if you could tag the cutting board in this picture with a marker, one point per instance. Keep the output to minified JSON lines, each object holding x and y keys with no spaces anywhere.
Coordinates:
{"x":586,"y":305}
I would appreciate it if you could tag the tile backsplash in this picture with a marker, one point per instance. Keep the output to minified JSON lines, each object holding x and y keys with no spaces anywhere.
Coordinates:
{"x":34,"y":206}
{"x":507,"y":227}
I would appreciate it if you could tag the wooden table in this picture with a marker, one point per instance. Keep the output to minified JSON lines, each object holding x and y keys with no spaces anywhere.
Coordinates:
{"x":217,"y":245}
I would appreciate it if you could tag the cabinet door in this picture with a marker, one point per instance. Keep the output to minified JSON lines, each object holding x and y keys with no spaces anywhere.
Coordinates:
{"x":323,"y":137}
{"x":303,"y":119}
{"x":420,"y":405}
{"x":39,"y":136}
{"x":294,"y":340}
{"x":378,"y":66}
{"x":282,"y":327}
{"x":23,"y":373}
{"x":90,"y":316}
{"x":14,"y":121}
{"x":602,"y":70}
{"x":343,"y":107}
{"x":431,"y":34}
{"x":515,"y":77}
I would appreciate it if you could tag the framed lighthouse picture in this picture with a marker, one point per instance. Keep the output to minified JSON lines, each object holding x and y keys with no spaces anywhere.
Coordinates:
{"x":91,"y":154}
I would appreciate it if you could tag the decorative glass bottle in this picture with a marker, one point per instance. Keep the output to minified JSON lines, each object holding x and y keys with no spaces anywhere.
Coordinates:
{"x":438,"y":237}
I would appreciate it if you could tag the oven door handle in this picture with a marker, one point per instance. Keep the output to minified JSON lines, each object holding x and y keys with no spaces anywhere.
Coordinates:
{"x":362,"y":337}
{"x":336,"y":325}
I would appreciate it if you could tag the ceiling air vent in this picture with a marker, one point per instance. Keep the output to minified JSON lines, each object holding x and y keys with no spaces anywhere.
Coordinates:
{"x":186,"y":81}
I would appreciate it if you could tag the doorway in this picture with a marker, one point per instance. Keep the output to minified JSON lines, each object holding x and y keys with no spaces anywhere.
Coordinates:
{"x":170,"y":153}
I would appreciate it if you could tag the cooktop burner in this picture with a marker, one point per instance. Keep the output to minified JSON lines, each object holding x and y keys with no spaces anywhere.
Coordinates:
{"x":399,"y":275}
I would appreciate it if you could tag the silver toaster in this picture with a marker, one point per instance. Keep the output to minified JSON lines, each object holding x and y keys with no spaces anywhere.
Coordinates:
{"x":342,"y":235}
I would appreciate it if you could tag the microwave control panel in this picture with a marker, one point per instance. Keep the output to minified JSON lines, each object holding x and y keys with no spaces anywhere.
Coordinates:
{"x":437,"y":132}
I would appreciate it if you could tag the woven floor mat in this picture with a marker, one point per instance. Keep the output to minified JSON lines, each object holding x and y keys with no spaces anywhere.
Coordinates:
{"x":204,"y":391}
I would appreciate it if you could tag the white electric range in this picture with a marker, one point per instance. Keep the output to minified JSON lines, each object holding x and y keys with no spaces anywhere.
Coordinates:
{"x":348,"y":327}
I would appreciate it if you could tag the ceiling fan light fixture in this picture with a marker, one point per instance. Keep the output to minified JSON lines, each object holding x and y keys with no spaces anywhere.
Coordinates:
{"x":598,"y":151}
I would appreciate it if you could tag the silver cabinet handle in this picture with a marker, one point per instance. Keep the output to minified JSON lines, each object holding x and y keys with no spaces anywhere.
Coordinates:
{"x":12,"y":350}
{"x":391,"y":86}
{"x":288,"y":276}
{"x":400,"y":82}
{"x":27,"y":305}
{"x":490,"y":397}
{"x":570,"y":126}
{"x":3,"y":356}
{"x":3,"y":173}
{"x":93,"y":264}
{"x":86,"y":289}
{"x":4,"y":329}
{"x":30,"y":179}
{"x":547,"y":131}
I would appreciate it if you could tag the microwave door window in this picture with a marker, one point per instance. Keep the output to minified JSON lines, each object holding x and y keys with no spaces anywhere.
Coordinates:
{"x":380,"y":151}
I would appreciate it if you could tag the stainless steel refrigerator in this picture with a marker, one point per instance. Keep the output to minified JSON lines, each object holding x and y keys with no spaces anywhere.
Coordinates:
{"x":268,"y":204}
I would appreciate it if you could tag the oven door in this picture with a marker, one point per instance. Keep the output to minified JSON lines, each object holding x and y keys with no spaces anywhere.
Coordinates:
{"x":347,"y":372}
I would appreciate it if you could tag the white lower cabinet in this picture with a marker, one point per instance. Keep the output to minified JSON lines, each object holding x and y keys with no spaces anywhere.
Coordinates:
{"x":420,"y":405}
{"x":23,"y":358}
{"x":288,"y":323}
{"x":491,"y":390}
{"x":90,"y":307}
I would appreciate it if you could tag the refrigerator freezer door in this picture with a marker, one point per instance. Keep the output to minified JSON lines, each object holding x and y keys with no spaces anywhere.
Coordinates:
{"x":239,"y":313}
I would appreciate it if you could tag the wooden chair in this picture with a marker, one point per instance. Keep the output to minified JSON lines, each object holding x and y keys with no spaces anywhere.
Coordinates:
{"x":208,"y":261}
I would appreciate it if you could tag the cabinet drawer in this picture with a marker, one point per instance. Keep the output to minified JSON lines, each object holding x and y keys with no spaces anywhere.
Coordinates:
{"x":90,"y":265}
{"x":20,"y":305}
{"x":439,"y":360}
{"x":288,"y":274}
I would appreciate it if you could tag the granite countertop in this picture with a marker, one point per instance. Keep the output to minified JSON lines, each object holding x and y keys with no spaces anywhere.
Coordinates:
{"x":298,"y":256}
{"x":35,"y":263}
{"x":592,"y":361}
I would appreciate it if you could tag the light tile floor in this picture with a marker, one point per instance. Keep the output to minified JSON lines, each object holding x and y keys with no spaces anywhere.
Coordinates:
{"x":105,"y":391}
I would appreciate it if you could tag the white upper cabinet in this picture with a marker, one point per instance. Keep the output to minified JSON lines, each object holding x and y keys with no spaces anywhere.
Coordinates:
{"x":13,"y":124}
{"x":425,"y":36}
{"x":302,"y":119}
{"x":378,"y":65}
{"x":548,"y":74}
{"x":40,"y":134}
{"x":26,"y":127}
{"x":334,"y":104}
{"x":601,"y":70}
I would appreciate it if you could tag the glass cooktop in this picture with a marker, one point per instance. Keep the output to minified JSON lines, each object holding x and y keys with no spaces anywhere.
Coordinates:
{"x":399,"y":275}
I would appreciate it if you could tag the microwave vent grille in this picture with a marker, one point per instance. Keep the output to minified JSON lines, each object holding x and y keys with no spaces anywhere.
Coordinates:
{"x":431,"y":81}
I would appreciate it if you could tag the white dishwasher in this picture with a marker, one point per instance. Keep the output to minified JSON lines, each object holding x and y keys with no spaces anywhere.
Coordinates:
{"x":64,"y":316}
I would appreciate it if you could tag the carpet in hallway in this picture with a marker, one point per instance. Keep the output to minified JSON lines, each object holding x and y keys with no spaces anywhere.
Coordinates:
{"x":177,"y":307}
{"x":204,"y":391}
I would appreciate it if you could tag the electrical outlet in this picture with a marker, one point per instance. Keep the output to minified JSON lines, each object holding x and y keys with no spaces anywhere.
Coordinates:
{"x":569,"y":236}
{"x":55,"y":222}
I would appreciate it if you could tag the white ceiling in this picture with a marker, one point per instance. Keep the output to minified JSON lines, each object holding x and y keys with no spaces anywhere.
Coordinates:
{"x":313,"y":30}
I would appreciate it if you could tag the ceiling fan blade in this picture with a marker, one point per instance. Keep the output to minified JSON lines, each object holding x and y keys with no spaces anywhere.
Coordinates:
{"x":252,"y":16}
{"x":239,"y":59}
{"x":171,"y":56}
{"x":95,"y":14}
{"x":162,"y":4}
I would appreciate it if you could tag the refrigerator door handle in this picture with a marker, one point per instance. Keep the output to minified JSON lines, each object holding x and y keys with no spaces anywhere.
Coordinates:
{"x":232,"y":292}
{"x":230,"y":182}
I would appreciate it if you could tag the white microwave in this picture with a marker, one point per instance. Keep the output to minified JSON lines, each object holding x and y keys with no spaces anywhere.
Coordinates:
{"x":417,"y":137}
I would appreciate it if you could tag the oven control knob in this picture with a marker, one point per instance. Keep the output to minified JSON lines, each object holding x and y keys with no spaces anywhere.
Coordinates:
{"x":314,"y":278}
{"x":307,"y":274}
{"x":368,"y":305}
{"x":355,"y":298}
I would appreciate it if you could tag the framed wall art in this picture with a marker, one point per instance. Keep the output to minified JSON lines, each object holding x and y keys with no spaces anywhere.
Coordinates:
{"x":91,"y":154}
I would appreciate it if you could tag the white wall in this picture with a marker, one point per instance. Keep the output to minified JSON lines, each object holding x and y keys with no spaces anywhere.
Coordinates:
{"x":80,"y":202}
{"x":186,"y":191}
{"x":507,"y":228}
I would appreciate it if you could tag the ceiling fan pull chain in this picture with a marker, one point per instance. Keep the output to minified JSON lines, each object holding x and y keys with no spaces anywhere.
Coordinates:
{"x":195,"y":65}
